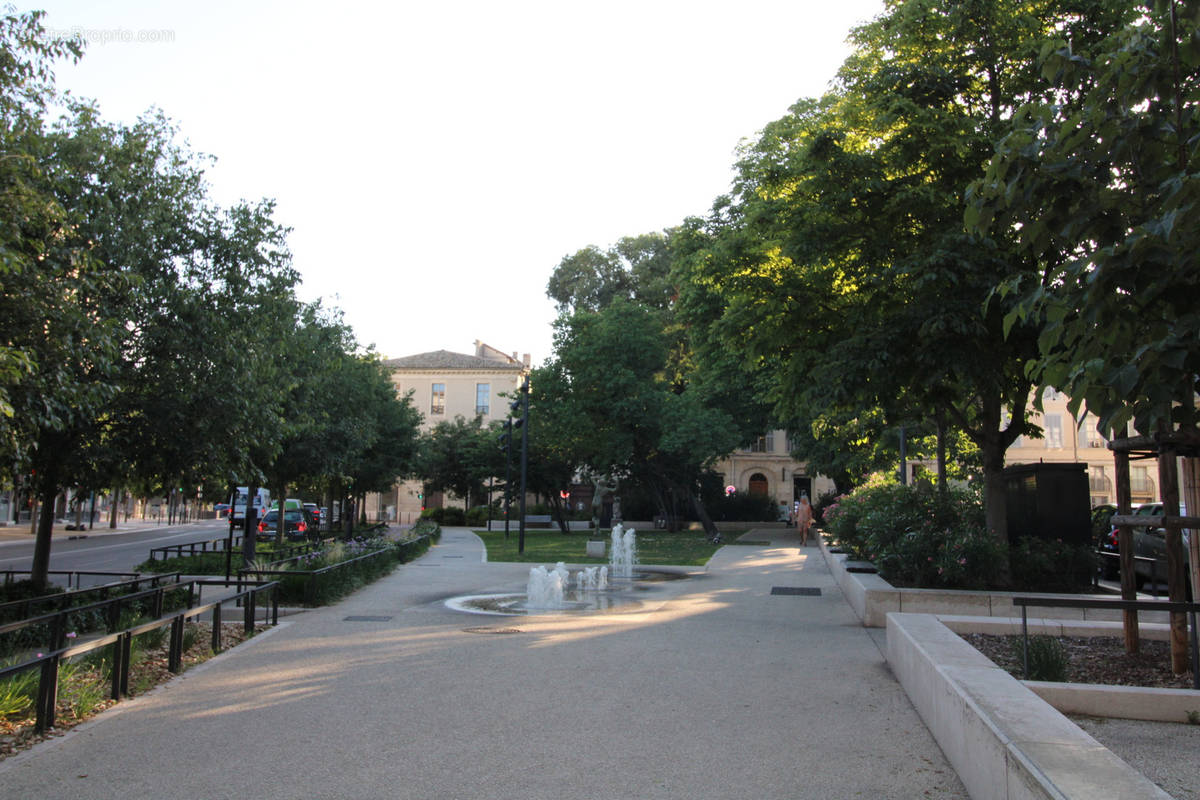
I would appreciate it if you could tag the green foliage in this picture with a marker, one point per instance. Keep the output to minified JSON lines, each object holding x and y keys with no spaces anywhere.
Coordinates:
{"x":1096,"y":182}
{"x":1047,"y":658}
{"x":448,"y":515}
{"x":743,"y":507}
{"x":1043,"y":565}
{"x":459,"y":456}
{"x":917,"y":536}
{"x":18,"y":692}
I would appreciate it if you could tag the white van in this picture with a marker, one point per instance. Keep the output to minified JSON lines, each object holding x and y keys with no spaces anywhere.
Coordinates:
{"x":237,"y":504}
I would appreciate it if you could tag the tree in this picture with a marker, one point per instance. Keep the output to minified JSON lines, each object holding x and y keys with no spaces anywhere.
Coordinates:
{"x":458,"y":456}
{"x":636,"y":268}
{"x":607,"y":399}
{"x":840,"y":265}
{"x":1101,"y":193}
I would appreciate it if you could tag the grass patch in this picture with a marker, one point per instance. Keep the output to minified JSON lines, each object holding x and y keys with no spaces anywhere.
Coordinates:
{"x":542,"y":546}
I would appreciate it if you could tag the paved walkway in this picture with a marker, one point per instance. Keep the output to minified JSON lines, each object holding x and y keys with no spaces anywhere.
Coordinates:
{"x":712,"y":688}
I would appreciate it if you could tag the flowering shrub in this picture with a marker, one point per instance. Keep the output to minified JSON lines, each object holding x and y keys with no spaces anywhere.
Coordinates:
{"x":917,"y":536}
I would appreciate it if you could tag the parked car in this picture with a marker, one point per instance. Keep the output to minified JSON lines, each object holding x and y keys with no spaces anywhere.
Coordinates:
{"x":298,"y":524}
{"x":221,"y":509}
{"x":1150,"y":543}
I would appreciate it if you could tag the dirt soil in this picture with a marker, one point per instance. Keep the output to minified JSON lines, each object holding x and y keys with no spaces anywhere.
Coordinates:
{"x":1095,"y":659}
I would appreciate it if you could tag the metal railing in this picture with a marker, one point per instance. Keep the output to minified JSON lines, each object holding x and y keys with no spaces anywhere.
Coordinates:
{"x":1190,"y":609}
{"x":63,"y":599}
{"x":193,"y":548}
{"x":74,"y":577}
{"x":121,"y":643}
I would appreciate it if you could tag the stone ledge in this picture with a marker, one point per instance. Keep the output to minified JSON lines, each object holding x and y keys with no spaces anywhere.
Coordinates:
{"x":873,"y":598}
{"x":1004,"y":740}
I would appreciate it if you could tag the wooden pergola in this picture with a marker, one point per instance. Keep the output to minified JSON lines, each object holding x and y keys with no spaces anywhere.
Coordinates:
{"x":1166,"y":448}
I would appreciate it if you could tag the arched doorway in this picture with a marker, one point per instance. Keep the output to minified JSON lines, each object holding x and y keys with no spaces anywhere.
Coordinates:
{"x":758,"y":484}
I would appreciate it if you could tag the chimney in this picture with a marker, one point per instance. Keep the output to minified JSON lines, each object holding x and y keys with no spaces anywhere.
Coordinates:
{"x":525,"y":360}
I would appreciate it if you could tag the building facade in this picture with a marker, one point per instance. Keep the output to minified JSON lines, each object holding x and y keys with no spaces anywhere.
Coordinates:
{"x":445,"y":385}
{"x":1064,"y":442}
{"x":767,"y":468}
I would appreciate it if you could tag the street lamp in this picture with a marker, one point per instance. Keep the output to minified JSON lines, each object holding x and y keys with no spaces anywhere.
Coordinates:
{"x":522,"y":404}
{"x":506,"y":446}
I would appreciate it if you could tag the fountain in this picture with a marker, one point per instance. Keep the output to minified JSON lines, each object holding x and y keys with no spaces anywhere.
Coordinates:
{"x":591,"y":579}
{"x":624,"y":551}
{"x":546,"y":587}
{"x":589,"y":589}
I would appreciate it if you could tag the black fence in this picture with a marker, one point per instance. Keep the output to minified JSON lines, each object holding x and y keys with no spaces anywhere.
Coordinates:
{"x":74,"y":577}
{"x":25,"y":607}
{"x":121,"y":641}
{"x":1190,"y":609}
{"x":194,"y":548}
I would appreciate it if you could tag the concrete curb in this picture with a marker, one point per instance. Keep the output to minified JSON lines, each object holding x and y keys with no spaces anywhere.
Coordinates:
{"x":1004,"y":741}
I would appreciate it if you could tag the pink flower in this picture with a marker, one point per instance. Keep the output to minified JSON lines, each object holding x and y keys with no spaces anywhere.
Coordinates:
{"x":72,"y":635}
{"x":962,"y":561}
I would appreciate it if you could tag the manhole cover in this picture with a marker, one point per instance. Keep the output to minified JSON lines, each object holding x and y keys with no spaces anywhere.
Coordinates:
{"x":487,"y":629}
{"x":366,"y":618}
{"x":808,"y":591}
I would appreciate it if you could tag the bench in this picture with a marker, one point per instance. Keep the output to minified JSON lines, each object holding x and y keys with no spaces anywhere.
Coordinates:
{"x":537,"y":520}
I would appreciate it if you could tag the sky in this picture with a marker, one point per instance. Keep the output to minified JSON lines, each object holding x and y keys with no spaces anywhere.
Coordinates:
{"x":436,"y":161}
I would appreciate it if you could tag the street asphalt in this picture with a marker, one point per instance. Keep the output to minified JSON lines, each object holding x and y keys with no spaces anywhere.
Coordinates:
{"x":711,"y":687}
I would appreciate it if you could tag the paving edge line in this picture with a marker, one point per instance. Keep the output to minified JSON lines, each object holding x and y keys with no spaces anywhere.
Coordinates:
{"x":1004,"y":741}
{"x":132,"y":702}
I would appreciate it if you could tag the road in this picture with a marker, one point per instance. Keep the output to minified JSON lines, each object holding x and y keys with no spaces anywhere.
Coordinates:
{"x":103,"y":551}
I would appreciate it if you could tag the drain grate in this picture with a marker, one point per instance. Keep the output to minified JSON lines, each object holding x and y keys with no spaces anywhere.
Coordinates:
{"x":487,"y":629}
{"x":366,"y":618}
{"x":807,"y":591}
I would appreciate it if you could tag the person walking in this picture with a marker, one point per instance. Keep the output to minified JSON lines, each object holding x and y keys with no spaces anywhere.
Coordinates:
{"x":804,"y":519}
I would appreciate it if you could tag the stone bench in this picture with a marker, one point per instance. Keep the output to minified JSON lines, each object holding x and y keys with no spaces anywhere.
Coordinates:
{"x":537,"y":520}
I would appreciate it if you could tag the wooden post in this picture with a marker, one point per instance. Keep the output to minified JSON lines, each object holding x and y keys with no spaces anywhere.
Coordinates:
{"x":1125,"y":546}
{"x":1168,"y":477}
{"x":1191,"y":497}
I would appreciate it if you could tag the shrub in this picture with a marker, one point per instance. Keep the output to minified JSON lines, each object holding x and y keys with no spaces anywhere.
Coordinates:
{"x":744,"y":508}
{"x":824,"y":501}
{"x":1051,"y":565}
{"x":1047,"y":658}
{"x":917,"y":536}
{"x":478,"y":515}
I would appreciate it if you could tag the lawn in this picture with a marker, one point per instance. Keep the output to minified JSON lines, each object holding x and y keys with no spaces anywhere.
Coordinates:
{"x":543,"y":546}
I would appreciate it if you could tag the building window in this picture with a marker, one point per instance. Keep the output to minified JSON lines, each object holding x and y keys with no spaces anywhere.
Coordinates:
{"x":483,"y":398}
{"x":1054,"y":437}
{"x":437,"y":403}
{"x":764,"y":444}
{"x":1140,"y":482}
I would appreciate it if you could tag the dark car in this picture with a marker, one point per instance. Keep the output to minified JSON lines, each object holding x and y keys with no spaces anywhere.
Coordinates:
{"x":1148,"y":543}
{"x":298,"y":524}
{"x":315,"y":511}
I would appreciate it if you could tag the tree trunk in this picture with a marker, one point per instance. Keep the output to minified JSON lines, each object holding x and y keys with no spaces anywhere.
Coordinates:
{"x":40,"y":570}
{"x":995,"y":508}
{"x":249,"y":527}
{"x":280,"y":523}
{"x":710,"y":527}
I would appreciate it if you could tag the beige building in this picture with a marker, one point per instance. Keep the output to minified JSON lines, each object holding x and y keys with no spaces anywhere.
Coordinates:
{"x":1065,"y":442}
{"x":766,"y":467}
{"x":445,"y":385}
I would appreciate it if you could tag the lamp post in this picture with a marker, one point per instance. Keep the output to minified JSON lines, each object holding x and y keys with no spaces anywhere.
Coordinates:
{"x":522,"y":404}
{"x":506,"y":446}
